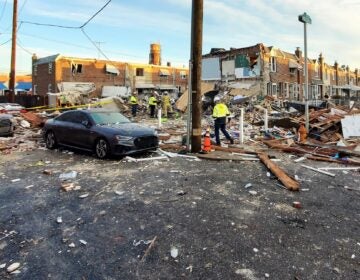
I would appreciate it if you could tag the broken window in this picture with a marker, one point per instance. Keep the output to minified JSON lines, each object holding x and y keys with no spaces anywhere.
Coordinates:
{"x":76,"y":68}
{"x":50,"y":67}
{"x":139,"y":72}
{"x":183,"y":75}
{"x":273,"y":64}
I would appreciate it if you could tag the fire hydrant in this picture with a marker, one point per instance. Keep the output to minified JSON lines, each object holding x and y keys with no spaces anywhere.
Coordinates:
{"x":302,"y":133}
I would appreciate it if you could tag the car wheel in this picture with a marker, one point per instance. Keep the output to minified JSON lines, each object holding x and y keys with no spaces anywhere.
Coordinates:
{"x":51,"y":142}
{"x":102,"y":149}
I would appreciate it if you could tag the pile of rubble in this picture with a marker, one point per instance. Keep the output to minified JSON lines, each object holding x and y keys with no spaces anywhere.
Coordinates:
{"x":25,"y":132}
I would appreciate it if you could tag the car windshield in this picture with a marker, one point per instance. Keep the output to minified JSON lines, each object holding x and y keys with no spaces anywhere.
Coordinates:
{"x":101,"y":118}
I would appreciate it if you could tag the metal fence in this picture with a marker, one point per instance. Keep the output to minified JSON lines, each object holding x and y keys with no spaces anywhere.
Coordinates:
{"x":26,"y":101}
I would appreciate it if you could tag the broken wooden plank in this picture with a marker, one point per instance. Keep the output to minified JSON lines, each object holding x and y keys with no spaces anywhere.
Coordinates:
{"x":288,"y":182}
{"x":233,"y":150}
{"x":317,"y":170}
{"x":339,"y":168}
{"x":328,"y":159}
{"x":218,"y":155}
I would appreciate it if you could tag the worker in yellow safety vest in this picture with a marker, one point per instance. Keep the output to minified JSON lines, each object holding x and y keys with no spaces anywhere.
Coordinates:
{"x":134,"y":103}
{"x":220,"y":113}
{"x":166,"y":104}
{"x":152,"y":105}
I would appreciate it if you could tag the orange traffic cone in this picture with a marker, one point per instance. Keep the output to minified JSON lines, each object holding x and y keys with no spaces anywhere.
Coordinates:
{"x":207,"y":142}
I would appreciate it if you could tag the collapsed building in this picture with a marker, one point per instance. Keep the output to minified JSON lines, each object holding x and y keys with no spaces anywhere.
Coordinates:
{"x":109,"y":78}
{"x":273,"y":72}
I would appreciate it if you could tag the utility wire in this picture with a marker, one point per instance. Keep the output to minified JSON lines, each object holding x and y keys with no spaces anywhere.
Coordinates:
{"x":5,"y":42}
{"x":3,"y":10}
{"x":19,"y":44}
{"x":69,"y":27}
{"x":22,"y":7}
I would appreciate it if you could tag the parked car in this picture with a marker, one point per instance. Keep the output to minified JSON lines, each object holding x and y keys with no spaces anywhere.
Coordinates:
{"x":10,"y":108}
{"x":6,"y":125}
{"x":103,"y":132}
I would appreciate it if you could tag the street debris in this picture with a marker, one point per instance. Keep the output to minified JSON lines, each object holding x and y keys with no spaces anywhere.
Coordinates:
{"x":59,"y":220}
{"x":67,"y":186}
{"x":297,"y":204}
{"x":68,"y":176}
{"x":13,"y":267}
{"x":83,"y":195}
{"x":174,"y":252}
{"x":83,"y":242}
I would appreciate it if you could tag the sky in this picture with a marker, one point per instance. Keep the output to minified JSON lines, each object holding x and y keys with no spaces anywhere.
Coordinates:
{"x":125,"y":29}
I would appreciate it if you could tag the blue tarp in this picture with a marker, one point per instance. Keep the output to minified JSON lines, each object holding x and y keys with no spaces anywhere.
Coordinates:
{"x":24,"y":85}
{"x":2,"y":86}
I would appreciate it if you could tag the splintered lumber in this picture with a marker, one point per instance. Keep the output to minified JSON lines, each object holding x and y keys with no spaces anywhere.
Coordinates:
{"x":318,"y":170}
{"x":287,"y":181}
{"x":233,"y":150}
{"x":152,"y":244}
{"x":218,"y":155}
{"x":348,"y":162}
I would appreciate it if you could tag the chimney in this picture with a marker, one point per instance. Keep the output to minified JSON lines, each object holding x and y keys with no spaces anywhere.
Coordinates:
{"x":168,"y":64}
{"x":34,"y":58}
{"x":155,"y":54}
{"x":298,"y":52}
{"x":321,"y":58}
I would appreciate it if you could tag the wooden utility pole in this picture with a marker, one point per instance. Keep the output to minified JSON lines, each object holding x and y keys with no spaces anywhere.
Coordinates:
{"x":196,"y":56}
{"x":13,"y":54}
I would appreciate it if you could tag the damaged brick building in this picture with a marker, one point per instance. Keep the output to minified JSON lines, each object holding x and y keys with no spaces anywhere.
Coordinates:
{"x":274,"y":72}
{"x":51,"y":74}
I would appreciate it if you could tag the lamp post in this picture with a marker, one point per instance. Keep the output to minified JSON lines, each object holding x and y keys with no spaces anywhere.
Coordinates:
{"x":305,"y":18}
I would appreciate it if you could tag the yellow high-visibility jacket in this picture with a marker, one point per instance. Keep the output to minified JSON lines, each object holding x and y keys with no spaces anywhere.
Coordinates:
{"x":133,"y":100}
{"x":220,"y":111}
{"x":152,"y":101}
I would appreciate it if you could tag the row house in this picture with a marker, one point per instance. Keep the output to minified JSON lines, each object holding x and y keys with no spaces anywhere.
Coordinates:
{"x":280,"y":74}
{"x":51,"y":74}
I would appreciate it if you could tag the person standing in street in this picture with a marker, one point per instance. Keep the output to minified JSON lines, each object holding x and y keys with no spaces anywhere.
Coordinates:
{"x":134,"y":103}
{"x":166,"y":104}
{"x":152,"y":105}
{"x":220,"y":113}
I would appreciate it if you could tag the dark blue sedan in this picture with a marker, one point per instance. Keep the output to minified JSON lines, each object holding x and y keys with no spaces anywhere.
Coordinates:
{"x":103,"y":132}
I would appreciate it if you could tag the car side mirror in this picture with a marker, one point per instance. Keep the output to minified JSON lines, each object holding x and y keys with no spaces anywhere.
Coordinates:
{"x":87,"y":124}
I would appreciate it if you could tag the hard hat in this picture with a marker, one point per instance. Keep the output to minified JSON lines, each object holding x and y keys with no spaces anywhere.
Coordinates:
{"x":217,"y":98}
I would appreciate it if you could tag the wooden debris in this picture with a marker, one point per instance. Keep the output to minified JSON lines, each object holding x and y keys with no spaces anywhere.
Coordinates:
{"x":288,"y":182}
{"x":152,"y":244}
{"x":318,"y":170}
{"x":218,"y":155}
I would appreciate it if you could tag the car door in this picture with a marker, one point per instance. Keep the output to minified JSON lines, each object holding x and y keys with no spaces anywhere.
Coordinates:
{"x":81,"y":130}
{"x":62,"y":128}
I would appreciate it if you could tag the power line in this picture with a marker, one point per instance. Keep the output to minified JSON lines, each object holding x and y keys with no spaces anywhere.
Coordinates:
{"x":3,"y":10}
{"x":22,"y":6}
{"x":69,"y":27}
{"x":22,"y":47}
{"x":5,"y":42}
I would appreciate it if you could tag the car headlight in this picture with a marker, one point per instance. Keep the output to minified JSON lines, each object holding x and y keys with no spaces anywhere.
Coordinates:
{"x":124,"y":140}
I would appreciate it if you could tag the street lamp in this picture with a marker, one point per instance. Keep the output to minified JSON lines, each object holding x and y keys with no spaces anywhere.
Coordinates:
{"x":305,"y":18}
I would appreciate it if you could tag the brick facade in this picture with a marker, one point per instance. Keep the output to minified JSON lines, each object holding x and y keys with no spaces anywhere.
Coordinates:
{"x":48,"y":72}
{"x":282,"y":73}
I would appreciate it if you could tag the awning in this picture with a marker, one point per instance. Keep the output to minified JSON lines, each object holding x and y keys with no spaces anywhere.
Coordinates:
{"x":23,"y":86}
{"x":294,"y":64}
{"x":112,"y":69}
{"x":348,"y":87}
{"x":2,"y":86}
{"x":144,"y":86}
{"x":168,"y":87}
{"x":164,"y":72}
